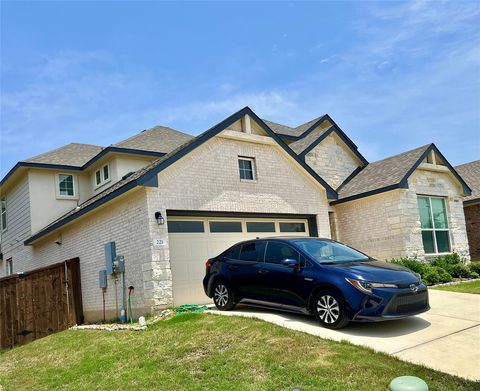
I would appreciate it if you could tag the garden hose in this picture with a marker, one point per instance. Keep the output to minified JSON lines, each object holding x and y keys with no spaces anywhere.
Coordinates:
{"x":192,"y":308}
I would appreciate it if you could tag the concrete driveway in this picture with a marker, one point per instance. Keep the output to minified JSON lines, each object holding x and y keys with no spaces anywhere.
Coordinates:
{"x":446,"y":338}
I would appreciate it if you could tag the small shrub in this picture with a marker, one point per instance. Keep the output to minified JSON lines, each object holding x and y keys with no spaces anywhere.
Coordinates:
{"x":447,"y":262}
{"x":474,"y":275}
{"x":411,"y":263}
{"x":460,"y":271}
{"x":474,"y":267}
{"x":443,"y":275}
{"x":431,"y":275}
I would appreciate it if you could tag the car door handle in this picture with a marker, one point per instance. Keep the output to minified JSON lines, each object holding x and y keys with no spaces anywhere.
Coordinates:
{"x":232,"y":267}
{"x":262,"y":271}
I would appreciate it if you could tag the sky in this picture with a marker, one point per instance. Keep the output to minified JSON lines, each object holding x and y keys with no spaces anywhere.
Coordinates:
{"x":393,"y":75}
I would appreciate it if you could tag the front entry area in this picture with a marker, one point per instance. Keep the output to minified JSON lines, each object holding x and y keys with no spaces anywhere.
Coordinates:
{"x":194,"y":239}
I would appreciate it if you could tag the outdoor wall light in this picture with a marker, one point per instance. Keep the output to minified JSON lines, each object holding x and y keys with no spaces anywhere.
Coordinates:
{"x":159,"y":218}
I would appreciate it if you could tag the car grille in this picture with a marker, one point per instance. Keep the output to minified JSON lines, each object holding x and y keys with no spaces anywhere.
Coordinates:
{"x":406,"y":303}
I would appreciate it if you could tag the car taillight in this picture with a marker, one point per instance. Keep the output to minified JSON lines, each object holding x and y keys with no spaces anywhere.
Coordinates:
{"x":208,"y":264}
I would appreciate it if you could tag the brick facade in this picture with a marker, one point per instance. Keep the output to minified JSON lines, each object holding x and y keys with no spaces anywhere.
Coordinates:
{"x":472,"y":220}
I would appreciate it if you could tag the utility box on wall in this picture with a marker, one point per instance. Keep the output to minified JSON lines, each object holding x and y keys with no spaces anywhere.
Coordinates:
{"x":110,"y":256}
{"x":102,"y":279}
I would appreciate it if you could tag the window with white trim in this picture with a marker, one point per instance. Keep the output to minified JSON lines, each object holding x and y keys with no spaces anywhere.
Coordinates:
{"x":102,"y":175}
{"x":246,"y":166}
{"x":434,"y":224}
{"x":3,"y":213}
{"x":66,"y":185}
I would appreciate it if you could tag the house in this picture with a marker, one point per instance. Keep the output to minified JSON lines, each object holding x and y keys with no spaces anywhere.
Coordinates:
{"x":471,"y":205}
{"x":170,"y":201}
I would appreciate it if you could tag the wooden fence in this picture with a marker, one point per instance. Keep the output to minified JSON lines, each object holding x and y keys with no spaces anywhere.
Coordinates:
{"x":40,"y":302}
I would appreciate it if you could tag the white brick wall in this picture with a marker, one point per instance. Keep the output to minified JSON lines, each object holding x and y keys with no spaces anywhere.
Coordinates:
{"x":332,"y":160}
{"x":124,"y":221}
{"x":208,"y":180}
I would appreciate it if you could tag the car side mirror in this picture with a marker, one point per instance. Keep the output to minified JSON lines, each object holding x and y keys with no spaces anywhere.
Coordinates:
{"x":293,"y":263}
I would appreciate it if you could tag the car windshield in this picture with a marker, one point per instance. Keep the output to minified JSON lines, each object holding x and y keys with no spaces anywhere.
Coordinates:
{"x":327,"y":252}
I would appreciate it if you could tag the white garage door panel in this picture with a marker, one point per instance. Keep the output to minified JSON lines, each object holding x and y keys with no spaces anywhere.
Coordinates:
{"x":189,"y":252}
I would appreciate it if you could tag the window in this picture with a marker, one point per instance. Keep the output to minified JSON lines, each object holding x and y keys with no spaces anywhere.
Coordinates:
{"x":266,"y":226}
{"x":9,"y":267}
{"x":225,"y":226}
{"x":434,"y":223}
{"x":252,"y":251}
{"x":246,"y":166}
{"x":292,"y":227}
{"x":102,"y":175}
{"x":3,"y":213}
{"x":232,"y":253}
{"x":66,"y":185}
{"x":277,"y":252}
{"x":185,"y":226}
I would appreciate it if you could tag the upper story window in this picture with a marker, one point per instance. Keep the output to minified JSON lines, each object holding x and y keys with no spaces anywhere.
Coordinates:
{"x":434,"y":223}
{"x":3,"y":213}
{"x":66,"y":185}
{"x":102,"y":176}
{"x":246,"y":166}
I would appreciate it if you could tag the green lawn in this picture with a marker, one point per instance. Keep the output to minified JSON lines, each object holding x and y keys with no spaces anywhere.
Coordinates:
{"x":200,"y":352}
{"x":464,"y":287}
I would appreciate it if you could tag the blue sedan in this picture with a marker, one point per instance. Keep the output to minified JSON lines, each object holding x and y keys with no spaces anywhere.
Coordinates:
{"x":335,"y":283}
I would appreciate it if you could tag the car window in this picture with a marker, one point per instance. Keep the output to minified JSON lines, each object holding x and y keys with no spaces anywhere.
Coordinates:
{"x":232,"y":253}
{"x":252,"y":251}
{"x":329,"y":251}
{"x":277,"y":252}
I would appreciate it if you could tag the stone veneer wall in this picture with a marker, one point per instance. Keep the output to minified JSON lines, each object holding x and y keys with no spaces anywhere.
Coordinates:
{"x":376,"y":224}
{"x":441,"y":184}
{"x":387,"y":225}
{"x":472,"y":219}
{"x":332,"y":160}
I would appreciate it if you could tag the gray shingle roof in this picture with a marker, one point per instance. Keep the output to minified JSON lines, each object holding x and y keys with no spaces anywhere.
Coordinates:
{"x":470,"y":172}
{"x":73,"y":154}
{"x":382,"y":173}
{"x":302,"y":144}
{"x":157,"y":139}
{"x":289,"y":131}
{"x":127,"y":183}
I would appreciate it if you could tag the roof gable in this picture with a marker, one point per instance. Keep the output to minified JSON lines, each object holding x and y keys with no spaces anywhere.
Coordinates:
{"x":390,"y":173}
{"x":307,"y":136}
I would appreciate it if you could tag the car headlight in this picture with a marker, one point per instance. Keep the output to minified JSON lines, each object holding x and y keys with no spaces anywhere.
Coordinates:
{"x":366,"y":287}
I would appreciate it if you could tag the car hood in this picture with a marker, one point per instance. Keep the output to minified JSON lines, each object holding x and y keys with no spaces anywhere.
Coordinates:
{"x":375,"y":271}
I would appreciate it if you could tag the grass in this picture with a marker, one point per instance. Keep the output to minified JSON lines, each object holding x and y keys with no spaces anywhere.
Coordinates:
{"x":201,"y":351}
{"x":464,"y":287}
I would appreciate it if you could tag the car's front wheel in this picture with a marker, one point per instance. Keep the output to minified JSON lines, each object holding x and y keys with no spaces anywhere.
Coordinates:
{"x":330,"y":309}
{"x":223,"y":296}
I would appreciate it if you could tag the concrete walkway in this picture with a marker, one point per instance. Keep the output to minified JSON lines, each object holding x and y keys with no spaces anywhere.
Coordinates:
{"x":446,"y":338}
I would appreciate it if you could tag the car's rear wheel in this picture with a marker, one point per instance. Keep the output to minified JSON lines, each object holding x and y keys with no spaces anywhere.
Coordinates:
{"x":223,"y":296}
{"x":330,"y":309}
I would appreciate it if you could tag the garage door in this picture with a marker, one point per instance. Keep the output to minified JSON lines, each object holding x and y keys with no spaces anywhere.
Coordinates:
{"x":193,"y":240}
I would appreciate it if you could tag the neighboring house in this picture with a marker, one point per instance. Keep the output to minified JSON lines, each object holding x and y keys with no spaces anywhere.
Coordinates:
{"x":170,"y":201}
{"x":471,"y":205}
